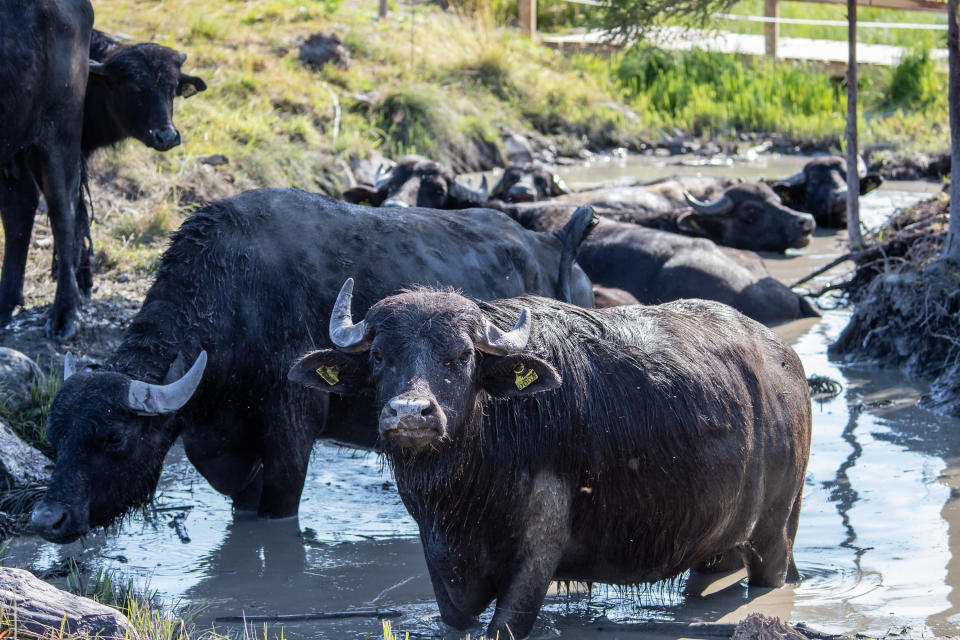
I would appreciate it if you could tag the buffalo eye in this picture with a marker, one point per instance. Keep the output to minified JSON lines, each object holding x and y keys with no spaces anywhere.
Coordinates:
{"x":461,"y":359}
{"x":376,"y":356}
{"x":114,"y":441}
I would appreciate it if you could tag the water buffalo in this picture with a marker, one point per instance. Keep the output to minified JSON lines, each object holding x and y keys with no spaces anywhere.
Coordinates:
{"x":734,"y":214}
{"x":621,"y":445}
{"x":606,"y":297}
{"x":247,"y":280}
{"x":418,"y":182}
{"x":820,"y":188}
{"x":43,"y":78}
{"x":658,"y":266}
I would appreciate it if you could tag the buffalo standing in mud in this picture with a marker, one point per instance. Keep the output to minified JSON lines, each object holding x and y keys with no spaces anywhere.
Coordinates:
{"x":620,"y":446}
{"x":247,"y":280}
{"x":747,"y":215}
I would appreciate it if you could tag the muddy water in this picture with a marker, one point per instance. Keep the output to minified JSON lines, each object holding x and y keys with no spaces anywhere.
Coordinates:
{"x":878,"y":544}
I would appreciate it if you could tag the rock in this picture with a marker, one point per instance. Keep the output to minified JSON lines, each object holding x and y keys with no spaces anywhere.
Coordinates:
{"x":518,"y":149}
{"x":20,"y":464}
{"x":365,"y":169}
{"x":757,"y":626}
{"x":215,"y":160}
{"x":41,"y":610}
{"x":18,"y":375}
{"x":323,"y":48}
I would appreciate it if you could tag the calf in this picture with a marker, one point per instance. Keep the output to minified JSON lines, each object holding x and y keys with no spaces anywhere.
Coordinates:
{"x":623,"y":445}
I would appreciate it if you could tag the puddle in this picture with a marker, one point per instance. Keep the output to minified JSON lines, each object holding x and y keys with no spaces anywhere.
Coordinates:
{"x":878,"y":543}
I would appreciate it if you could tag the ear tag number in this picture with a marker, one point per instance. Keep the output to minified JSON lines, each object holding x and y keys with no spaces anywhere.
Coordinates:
{"x":330,"y":374}
{"x":524,"y":380}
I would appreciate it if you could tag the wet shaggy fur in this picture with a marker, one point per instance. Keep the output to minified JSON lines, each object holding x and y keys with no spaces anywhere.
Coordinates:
{"x":252,"y":280}
{"x":679,"y":432}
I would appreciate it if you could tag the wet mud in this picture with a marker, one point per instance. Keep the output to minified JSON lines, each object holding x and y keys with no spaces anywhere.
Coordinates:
{"x":878,"y":544}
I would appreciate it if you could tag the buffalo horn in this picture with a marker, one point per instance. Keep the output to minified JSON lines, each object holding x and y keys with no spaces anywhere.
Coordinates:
{"x":499,"y":343}
{"x":345,"y":335}
{"x":381,"y":178}
{"x":723,"y":204}
{"x":466,"y":194}
{"x":795,"y":180}
{"x":69,"y":367}
{"x":157,"y":399}
{"x":559,"y":186}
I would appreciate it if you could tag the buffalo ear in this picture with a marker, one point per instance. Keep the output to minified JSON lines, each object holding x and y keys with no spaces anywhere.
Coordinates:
{"x":516,"y":375}
{"x":690,"y":223}
{"x":190,"y":86}
{"x":98,"y":69}
{"x":362,"y":194}
{"x":331,"y":371}
{"x":870,"y":182}
{"x":786,"y":193}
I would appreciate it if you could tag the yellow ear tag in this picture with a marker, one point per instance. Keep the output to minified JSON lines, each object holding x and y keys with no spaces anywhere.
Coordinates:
{"x":524,"y":380}
{"x":330,"y":374}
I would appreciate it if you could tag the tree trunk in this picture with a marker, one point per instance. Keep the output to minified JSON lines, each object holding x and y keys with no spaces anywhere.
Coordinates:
{"x":853,"y":177}
{"x":951,"y":249}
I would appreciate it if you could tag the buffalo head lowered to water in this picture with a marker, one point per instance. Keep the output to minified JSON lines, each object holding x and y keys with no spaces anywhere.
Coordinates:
{"x":418,"y":182}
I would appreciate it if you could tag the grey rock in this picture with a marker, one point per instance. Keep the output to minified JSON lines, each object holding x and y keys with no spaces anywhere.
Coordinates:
{"x":20,"y":464}
{"x":321,"y":49}
{"x":18,"y":374}
{"x":518,"y":149}
{"x":41,"y":609}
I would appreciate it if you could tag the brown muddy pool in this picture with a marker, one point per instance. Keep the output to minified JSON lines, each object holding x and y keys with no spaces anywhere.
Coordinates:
{"x":878,"y":544}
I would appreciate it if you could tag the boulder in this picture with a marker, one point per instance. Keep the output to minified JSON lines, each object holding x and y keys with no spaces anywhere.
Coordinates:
{"x":757,"y":626}
{"x":36,"y":609}
{"x":18,"y":375}
{"x":20,"y":464}
{"x":323,"y":48}
{"x":518,"y":149}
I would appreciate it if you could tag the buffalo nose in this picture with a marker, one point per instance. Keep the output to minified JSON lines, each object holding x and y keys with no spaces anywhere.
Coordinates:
{"x":165,"y":138}
{"x":839,"y":197}
{"x":807,"y":224}
{"x":49,"y":519}
{"x":410,"y":407}
{"x":521,"y":193}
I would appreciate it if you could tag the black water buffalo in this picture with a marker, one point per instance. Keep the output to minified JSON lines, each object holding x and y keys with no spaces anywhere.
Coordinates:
{"x":740,"y":215}
{"x":820,"y":188}
{"x":418,"y":182}
{"x":43,"y":78}
{"x":658,"y":266}
{"x":621,"y":445}
{"x":247,"y":280}
{"x":606,"y":297}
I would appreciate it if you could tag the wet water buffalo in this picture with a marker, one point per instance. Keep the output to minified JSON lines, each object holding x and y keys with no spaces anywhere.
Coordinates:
{"x":740,"y":215}
{"x":621,"y":445}
{"x":43,"y":79}
{"x":418,"y":182}
{"x":247,"y":281}
{"x":658,"y":266}
{"x":820,"y":188}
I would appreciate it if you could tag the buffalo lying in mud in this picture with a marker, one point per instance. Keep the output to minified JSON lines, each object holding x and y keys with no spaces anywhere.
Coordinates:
{"x":247,"y":280}
{"x":418,"y":182}
{"x":657,"y":266}
{"x":621,"y":446}
{"x":820,"y":188}
{"x":129,"y":93}
{"x":43,"y":78}
{"x":740,"y":215}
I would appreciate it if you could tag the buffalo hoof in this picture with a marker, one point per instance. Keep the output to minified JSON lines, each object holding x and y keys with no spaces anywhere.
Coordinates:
{"x":62,"y":327}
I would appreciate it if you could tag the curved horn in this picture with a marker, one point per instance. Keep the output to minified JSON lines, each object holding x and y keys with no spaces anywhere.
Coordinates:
{"x":499,"y":343}
{"x":466,"y":194}
{"x":723,"y":204}
{"x":559,"y":186}
{"x":381,"y":178}
{"x":861,"y":166}
{"x":795,"y":180}
{"x":345,"y":335}
{"x":69,"y":366}
{"x":148,"y":399}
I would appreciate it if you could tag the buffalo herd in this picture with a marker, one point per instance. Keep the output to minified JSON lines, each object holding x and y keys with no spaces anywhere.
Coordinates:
{"x":534,"y":436}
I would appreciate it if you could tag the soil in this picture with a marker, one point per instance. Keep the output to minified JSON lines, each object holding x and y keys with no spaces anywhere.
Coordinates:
{"x":906,"y":305}
{"x":908,"y":166}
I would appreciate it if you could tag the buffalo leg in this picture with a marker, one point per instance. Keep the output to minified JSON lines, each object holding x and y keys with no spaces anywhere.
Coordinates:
{"x":792,"y":574}
{"x":769,"y":552}
{"x":61,"y":187}
{"x":450,"y":613}
{"x":286,"y":454}
{"x":520,"y":597}
{"x":18,"y":207}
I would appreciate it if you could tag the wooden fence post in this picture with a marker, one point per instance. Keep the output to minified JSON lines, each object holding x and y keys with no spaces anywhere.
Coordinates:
{"x":771,"y":29}
{"x":383,"y":9}
{"x":528,"y":17}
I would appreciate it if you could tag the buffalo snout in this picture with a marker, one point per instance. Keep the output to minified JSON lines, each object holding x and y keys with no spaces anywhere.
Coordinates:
{"x":52,"y":521}
{"x":521,"y":192}
{"x":412,"y":421}
{"x":163,"y":139}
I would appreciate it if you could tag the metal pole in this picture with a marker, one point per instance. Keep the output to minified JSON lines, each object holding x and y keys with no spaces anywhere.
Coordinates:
{"x":853,"y":177}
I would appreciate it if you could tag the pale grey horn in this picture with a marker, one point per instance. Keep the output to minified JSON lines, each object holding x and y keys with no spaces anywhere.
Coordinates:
{"x":466,"y":194}
{"x":559,"y":185}
{"x":500,"y":343}
{"x":796,"y":179}
{"x":69,"y":366}
{"x":345,"y":335}
{"x":148,"y":399}
{"x":380,"y":179}
{"x":723,"y":204}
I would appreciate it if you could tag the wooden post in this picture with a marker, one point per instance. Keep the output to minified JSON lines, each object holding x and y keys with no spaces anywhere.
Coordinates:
{"x":383,"y":9}
{"x":853,"y":176}
{"x":528,"y":17}
{"x":771,"y":9}
{"x":951,"y":248}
